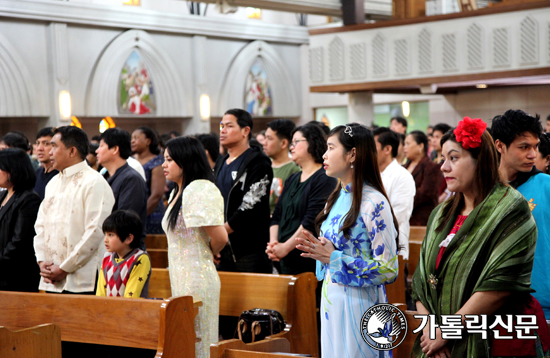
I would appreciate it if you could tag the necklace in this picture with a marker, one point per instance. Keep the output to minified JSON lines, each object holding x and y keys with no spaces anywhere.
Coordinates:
{"x":232,"y":160}
{"x":6,"y":199}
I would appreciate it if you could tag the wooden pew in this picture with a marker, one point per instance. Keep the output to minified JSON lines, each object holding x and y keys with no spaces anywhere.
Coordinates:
{"x":159,"y":258}
{"x":417,"y":233}
{"x":42,"y":341}
{"x":414,"y":255}
{"x":164,"y":325}
{"x":235,"y":347}
{"x":396,"y":290}
{"x":405,"y":348}
{"x":292,"y":296}
{"x":156,"y":242}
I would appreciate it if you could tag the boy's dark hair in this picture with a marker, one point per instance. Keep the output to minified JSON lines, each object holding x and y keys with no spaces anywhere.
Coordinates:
{"x":544,"y":145}
{"x":72,"y":136}
{"x":16,"y":140}
{"x":244,"y":119}
{"x":45,"y":132}
{"x":316,"y":139}
{"x":283,"y":128}
{"x":400,"y":120}
{"x":441,"y":127}
{"x":92,"y":148}
{"x":116,"y":137}
{"x":211,"y":143}
{"x":16,"y":162}
{"x":514,"y":123}
{"x":96,"y":138}
{"x":386,"y":136}
{"x":123,"y":223}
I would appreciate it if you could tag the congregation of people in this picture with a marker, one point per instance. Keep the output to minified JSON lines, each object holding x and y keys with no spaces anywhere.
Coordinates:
{"x":75,"y":213}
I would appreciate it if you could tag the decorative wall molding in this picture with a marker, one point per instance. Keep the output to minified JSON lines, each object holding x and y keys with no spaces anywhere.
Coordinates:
{"x":17,"y":90}
{"x":102,"y":93}
{"x":285,"y":89}
{"x":336,"y":54}
{"x":358,"y":60}
{"x":316,"y":64}
{"x":508,"y":41}
{"x":135,"y":18}
{"x":60,"y":52}
{"x":475,"y":45}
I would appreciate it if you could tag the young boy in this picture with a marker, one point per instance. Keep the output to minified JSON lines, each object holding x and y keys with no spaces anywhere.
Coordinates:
{"x":126,"y":269}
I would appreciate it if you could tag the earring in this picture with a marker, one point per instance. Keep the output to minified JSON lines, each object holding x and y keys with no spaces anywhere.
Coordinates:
{"x":351,"y":166}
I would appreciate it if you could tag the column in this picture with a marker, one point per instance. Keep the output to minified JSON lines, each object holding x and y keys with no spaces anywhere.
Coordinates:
{"x":361,"y":108}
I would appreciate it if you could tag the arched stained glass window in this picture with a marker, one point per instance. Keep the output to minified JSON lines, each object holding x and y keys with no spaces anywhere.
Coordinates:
{"x":136,"y":95}
{"x":258,"y":100}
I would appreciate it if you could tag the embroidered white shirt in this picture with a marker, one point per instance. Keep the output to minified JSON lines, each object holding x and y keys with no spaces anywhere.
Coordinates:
{"x":68,"y":226}
{"x":400,"y":187}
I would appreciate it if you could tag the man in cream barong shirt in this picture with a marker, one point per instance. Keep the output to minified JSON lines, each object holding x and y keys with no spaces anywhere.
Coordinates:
{"x":69,"y":239}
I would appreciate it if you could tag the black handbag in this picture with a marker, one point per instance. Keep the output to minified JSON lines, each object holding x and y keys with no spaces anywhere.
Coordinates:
{"x":256,"y":324}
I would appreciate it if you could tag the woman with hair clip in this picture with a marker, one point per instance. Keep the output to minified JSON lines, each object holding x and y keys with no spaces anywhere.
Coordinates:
{"x":477,"y":256}
{"x":356,"y":252}
{"x":145,"y":145}
{"x":194,"y":226}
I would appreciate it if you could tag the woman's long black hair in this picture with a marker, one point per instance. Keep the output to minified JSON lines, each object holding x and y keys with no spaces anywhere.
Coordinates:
{"x":366,"y":171}
{"x":190,"y":156}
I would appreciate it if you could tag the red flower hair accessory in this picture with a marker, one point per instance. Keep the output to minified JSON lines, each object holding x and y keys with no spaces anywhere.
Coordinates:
{"x":469,"y":131}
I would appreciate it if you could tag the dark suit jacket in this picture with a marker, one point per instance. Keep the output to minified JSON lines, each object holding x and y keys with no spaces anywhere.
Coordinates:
{"x":18,"y":268}
{"x":427,"y":178}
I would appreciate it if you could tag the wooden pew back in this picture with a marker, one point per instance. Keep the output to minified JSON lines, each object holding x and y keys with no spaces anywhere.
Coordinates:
{"x":159,"y":257}
{"x":414,"y":255}
{"x":405,"y":348}
{"x":222,"y":349}
{"x":42,"y":341}
{"x":292,"y":296}
{"x":156,"y":242}
{"x":164,"y":325}
{"x":417,"y":233}
{"x":396,"y":290}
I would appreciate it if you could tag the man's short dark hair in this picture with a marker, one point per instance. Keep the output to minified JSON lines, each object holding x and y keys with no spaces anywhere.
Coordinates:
{"x":123,"y":223}
{"x":514,"y":123}
{"x":72,"y":136}
{"x":16,"y":140}
{"x":17,"y":162}
{"x":116,"y":137}
{"x":244,"y":119}
{"x":400,"y":120}
{"x":211,"y":143}
{"x":283,"y":128}
{"x":441,"y":127}
{"x":45,"y":132}
{"x":385,"y":137}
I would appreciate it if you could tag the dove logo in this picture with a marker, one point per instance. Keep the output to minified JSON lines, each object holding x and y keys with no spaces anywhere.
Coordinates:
{"x":383,"y":327}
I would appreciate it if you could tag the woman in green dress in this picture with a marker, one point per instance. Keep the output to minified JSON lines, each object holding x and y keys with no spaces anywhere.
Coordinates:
{"x":478,"y":252}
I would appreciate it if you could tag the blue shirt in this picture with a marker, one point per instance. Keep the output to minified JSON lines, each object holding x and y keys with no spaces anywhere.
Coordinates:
{"x":537,"y":192}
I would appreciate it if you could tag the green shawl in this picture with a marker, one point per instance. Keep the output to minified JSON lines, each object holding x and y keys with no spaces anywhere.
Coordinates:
{"x":492,"y":251}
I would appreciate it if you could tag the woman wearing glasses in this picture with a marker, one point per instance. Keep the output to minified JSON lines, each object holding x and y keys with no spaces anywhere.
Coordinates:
{"x":303,"y":197}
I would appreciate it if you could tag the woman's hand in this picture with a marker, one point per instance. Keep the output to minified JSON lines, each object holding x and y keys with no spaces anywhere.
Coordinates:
{"x":281,"y":250}
{"x":269,"y":251}
{"x":433,"y":348}
{"x":318,"y":249}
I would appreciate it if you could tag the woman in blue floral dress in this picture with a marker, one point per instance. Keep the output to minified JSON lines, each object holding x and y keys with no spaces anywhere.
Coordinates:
{"x":356,"y":252}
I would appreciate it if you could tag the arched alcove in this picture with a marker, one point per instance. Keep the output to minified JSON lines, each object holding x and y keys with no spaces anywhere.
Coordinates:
{"x":286,"y":96}
{"x":17,"y":91}
{"x":102,"y":95}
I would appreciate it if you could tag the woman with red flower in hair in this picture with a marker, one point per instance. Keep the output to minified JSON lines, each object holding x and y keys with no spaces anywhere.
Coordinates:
{"x":477,"y":256}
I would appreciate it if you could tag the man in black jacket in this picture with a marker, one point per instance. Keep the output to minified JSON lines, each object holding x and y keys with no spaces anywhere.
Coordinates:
{"x":244,"y":177}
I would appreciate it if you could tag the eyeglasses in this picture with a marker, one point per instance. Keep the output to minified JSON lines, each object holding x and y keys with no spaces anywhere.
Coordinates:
{"x":293,"y":144}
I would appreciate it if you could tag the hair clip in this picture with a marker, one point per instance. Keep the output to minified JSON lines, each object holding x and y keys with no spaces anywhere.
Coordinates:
{"x":348,"y":131}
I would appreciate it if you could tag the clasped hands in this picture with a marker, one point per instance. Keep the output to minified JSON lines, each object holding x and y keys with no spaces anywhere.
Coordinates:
{"x":434,"y":348}
{"x":316,"y":248}
{"x":50,"y":272}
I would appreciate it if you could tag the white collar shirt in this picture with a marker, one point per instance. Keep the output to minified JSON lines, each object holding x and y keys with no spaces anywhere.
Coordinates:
{"x":400,"y":187}
{"x":68,"y":226}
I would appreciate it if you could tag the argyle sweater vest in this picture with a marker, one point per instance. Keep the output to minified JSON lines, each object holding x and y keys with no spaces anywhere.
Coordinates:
{"x":117,"y":274}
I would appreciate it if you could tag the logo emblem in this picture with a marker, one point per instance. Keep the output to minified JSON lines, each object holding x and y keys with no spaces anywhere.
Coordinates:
{"x":383,"y":327}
